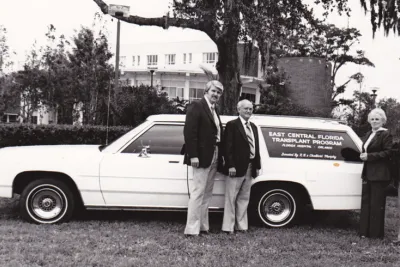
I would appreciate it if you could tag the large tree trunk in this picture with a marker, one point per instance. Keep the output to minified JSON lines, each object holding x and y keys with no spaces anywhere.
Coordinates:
{"x":229,"y":74}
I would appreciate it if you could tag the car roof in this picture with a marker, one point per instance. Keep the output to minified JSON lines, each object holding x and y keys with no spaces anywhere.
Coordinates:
{"x":268,"y":120}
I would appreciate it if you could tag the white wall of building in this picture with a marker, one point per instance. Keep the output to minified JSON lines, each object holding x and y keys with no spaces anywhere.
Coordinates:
{"x":195,"y":48}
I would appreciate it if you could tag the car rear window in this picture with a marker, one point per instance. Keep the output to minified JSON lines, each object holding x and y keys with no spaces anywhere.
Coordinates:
{"x":308,"y":144}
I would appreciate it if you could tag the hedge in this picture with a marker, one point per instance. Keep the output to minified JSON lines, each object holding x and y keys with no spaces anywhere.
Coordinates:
{"x":32,"y":134}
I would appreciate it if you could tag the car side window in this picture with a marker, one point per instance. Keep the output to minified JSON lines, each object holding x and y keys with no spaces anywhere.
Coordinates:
{"x":159,"y":139}
{"x":313,"y":144}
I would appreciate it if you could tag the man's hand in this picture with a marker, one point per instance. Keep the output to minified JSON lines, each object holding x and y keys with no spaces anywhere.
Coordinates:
{"x":232,"y":172}
{"x":257,"y":172}
{"x":194,"y":162}
{"x":364,"y":156}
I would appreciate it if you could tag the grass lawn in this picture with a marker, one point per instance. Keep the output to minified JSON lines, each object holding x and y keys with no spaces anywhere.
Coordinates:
{"x":156,"y":239}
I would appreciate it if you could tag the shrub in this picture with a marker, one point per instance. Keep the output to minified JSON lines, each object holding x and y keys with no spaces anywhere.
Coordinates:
{"x":134,"y":104}
{"x":32,"y":134}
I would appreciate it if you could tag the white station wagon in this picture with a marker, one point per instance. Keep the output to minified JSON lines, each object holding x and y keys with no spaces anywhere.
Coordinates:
{"x":302,"y":163}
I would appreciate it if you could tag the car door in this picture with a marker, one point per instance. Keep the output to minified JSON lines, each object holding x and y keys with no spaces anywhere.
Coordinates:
{"x":155,"y":180}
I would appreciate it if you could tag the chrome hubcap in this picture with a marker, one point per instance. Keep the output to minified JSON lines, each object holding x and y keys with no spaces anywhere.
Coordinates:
{"x":47,"y":203}
{"x":277,"y":207}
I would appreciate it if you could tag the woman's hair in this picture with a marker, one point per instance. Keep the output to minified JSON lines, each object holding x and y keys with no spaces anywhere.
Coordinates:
{"x":379,"y":112}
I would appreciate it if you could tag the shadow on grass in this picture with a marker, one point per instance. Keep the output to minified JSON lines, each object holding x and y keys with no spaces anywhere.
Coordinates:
{"x":330,"y":219}
{"x":310,"y":218}
{"x":9,"y":210}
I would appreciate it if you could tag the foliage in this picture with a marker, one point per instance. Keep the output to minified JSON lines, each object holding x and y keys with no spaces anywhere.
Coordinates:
{"x":356,"y":112}
{"x":57,"y":93}
{"x":277,"y":26}
{"x":180,"y":105}
{"x":274,"y":25}
{"x":32,"y":134}
{"x":134,"y":104}
{"x":226,"y":23}
{"x":9,"y":94}
{"x":392,"y":109}
{"x":30,"y":83}
{"x":327,"y":41}
{"x":384,"y":13}
{"x":8,"y":90}
{"x":63,"y":77}
{"x":4,"y":50}
{"x":92,"y":72}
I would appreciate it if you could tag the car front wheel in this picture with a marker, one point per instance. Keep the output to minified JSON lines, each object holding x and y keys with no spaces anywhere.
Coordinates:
{"x":277,"y":207}
{"x":47,"y":201}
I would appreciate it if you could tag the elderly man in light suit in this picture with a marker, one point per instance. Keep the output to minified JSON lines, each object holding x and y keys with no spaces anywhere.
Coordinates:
{"x":203,"y":136}
{"x":242,"y":162}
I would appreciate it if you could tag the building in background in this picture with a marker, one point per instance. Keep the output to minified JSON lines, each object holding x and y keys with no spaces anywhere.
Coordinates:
{"x":174,"y":67}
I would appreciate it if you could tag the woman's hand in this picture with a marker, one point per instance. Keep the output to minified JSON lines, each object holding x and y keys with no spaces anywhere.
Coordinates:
{"x":364,"y":156}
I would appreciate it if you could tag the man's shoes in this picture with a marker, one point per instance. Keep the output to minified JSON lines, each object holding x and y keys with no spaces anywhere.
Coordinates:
{"x":190,"y":236}
{"x":241,"y":231}
{"x":204,"y":232}
{"x":229,"y":232}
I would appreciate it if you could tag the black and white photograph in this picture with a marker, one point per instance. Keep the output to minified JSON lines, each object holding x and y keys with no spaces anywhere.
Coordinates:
{"x":199,"y":133}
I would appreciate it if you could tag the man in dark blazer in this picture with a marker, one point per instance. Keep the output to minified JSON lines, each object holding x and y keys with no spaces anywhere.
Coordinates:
{"x":203,"y":136}
{"x":242,"y":162}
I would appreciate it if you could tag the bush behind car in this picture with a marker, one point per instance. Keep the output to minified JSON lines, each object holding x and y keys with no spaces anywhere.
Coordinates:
{"x":32,"y":134}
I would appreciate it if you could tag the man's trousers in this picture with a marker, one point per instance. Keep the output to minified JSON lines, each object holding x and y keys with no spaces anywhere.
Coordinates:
{"x":200,"y":196}
{"x":237,"y":196}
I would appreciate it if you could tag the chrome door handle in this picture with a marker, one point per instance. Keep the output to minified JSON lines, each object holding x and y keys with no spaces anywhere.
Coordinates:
{"x":173,"y":161}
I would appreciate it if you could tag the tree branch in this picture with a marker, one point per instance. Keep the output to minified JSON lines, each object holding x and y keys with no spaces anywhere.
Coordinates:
{"x":164,"y":22}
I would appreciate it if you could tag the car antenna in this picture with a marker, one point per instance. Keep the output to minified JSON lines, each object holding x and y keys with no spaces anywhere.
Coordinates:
{"x":108,"y":111}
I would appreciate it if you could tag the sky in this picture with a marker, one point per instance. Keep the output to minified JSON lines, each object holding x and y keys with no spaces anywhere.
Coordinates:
{"x":27,"y":21}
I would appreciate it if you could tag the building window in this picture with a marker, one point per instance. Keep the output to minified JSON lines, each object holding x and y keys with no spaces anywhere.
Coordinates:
{"x":12,"y":118}
{"x":195,"y":93}
{"x":250,"y":97}
{"x":34,"y":119}
{"x":209,"y":57}
{"x":173,"y":92}
{"x":170,"y":59}
{"x":9,"y":118}
{"x":152,"y":60}
{"x":133,"y":61}
{"x":122,"y":61}
{"x":138,"y":60}
{"x":187,"y":58}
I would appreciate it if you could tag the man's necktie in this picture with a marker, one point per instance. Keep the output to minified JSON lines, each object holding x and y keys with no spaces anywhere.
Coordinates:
{"x":216,"y":122}
{"x":250,"y":139}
